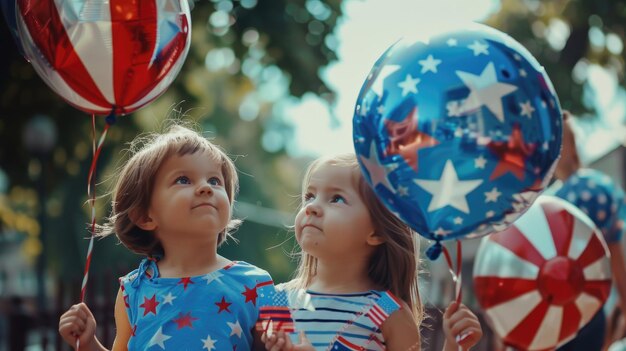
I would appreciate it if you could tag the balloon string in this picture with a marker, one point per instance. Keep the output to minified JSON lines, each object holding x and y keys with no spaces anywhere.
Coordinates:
{"x":456,"y":273}
{"x":456,"y":276}
{"x":91,"y":194}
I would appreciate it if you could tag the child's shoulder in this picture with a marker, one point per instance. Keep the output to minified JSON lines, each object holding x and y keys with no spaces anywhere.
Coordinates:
{"x":244,"y":271}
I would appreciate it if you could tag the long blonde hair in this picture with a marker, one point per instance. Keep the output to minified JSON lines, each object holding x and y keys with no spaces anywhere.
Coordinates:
{"x":394,"y":264}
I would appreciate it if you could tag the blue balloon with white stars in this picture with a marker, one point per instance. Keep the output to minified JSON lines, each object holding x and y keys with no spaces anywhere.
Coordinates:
{"x":600,"y":198}
{"x":457,"y":133}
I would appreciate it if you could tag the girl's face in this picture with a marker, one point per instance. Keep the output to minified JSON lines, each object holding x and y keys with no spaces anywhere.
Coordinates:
{"x":189,"y":197}
{"x":333,"y":221}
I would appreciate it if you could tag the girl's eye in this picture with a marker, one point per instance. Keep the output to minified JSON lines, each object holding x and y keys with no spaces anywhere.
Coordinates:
{"x":337,"y":199}
{"x":182,"y":180}
{"x":215,"y":181}
{"x":308,"y":197}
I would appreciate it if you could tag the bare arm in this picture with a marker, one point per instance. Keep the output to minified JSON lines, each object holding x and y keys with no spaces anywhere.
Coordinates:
{"x":122,"y":324}
{"x":401,"y":332}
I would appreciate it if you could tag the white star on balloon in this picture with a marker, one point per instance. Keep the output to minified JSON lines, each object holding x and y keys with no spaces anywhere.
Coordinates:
{"x":377,"y":173}
{"x":409,"y":85}
{"x":527,"y":109}
{"x":403,"y":190}
{"x":458,"y":220}
{"x":479,"y":48}
{"x":159,"y":339}
{"x":480,"y":162}
{"x":441,"y":232}
{"x":448,"y":190}
{"x":235,"y":328}
{"x":493,"y":195}
{"x":485,"y":90}
{"x":169,"y":298}
{"x":377,"y":86}
{"x":429,"y":64}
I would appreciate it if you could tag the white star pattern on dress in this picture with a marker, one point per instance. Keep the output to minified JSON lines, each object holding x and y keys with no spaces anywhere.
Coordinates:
{"x":490,"y":214}
{"x":527,"y":109}
{"x":429,"y":64}
{"x":169,"y":298}
{"x":376,"y":172}
{"x":448,"y":190}
{"x":235,"y":328}
{"x":479,"y":48}
{"x":159,"y":339}
{"x":380,"y":109}
{"x":485,"y":90}
{"x":458,"y":220}
{"x":451,"y":42}
{"x":209,"y":343}
{"x":480,"y":162}
{"x":210,"y":277}
{"x":493,"y":195}
{"x":377,"y":86}
{"x":522,"y":72}
{"x":409,"y":85}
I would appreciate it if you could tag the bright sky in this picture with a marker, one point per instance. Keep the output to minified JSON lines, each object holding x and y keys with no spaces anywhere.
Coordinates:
{"x":366,"y":30}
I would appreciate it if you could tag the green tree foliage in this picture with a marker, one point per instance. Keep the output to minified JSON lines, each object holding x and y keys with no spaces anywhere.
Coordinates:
{"x":567,"y":37}
{"x":246,"y":58}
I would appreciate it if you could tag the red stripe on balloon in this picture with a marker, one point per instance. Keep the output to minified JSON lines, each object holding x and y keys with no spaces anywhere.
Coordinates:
{"x":492,"y":290}
{"x":524,"y":333}
{"x":599,"y":289}
{"x":593,"y":252}
{"x":512,"y":239}
{"x":561,"y":225}
{"x":48,"y":33}
{"x":134,"y":28}
{"x":570,"y":321}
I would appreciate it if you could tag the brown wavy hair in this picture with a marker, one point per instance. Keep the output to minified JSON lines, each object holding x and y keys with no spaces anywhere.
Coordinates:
{"x":394,"y":264}
{"x":132,"y":192}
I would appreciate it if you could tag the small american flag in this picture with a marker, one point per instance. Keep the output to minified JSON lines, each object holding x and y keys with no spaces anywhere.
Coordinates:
{"x":382,"y":308}
{"x":277,"y":316}
{"x":341,"y":344}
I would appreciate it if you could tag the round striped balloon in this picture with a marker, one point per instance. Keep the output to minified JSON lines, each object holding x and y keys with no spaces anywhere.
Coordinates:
{"x":105,"y":57}
{"x":544,"y":277}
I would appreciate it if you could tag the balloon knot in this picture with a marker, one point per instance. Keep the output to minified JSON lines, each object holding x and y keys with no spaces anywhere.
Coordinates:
{"x":111,"y":119}
{"x":434,"y":251}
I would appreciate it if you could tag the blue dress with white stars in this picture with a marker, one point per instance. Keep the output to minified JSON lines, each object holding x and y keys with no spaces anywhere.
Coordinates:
{"x":216,"y":311}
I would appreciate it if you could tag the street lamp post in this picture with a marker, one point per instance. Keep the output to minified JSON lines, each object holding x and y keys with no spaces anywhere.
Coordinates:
{"x":40,"y":137}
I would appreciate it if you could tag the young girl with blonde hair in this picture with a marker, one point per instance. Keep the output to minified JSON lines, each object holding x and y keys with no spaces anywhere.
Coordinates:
{"x":356,"y":286}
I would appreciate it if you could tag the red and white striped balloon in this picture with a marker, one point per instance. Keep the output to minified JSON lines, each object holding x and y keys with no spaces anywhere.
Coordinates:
{"x":104,"y":57}
{"x":544,"y":277}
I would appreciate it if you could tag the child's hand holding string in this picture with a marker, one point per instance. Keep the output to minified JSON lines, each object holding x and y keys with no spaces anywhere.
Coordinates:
{"x":280,"y":341}
{"x":78,"y":323}
{"x":461,"y":328}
